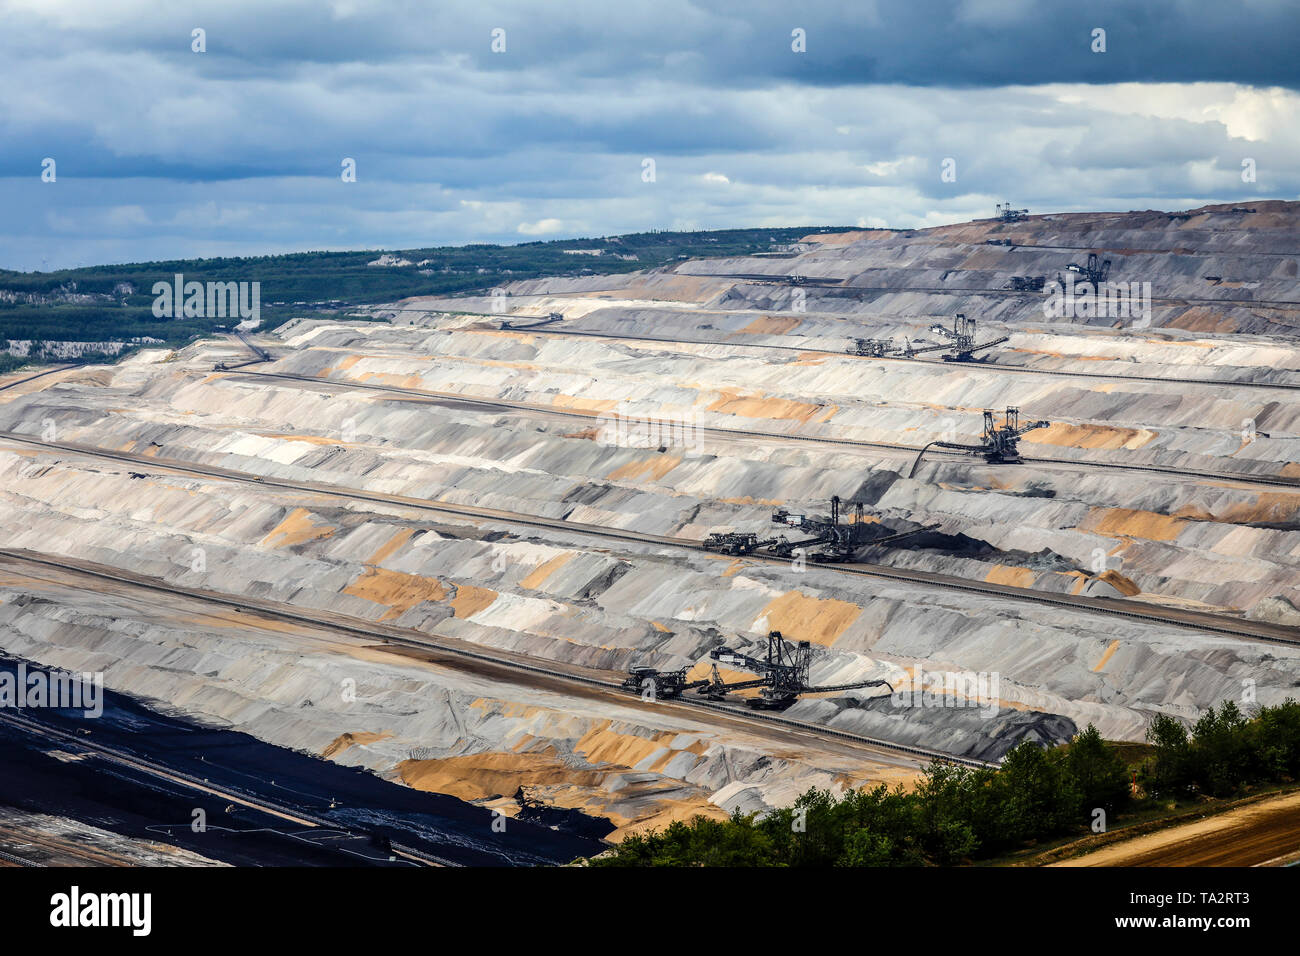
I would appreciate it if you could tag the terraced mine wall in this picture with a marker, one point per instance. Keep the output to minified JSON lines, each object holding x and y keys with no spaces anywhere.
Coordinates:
{"x":311,"y":482}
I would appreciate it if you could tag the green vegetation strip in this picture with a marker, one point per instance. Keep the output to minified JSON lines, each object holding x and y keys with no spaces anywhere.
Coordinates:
{"x":114,"y":303}
{"x":960,"y":815}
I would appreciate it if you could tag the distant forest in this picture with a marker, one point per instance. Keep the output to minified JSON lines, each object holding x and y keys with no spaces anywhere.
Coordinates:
{"x":114,"y":303}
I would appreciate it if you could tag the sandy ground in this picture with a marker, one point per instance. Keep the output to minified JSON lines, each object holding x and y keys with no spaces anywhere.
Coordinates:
{"x":619,"y":774}
{"x":56,"y":841}
{"x":1263,"y":832}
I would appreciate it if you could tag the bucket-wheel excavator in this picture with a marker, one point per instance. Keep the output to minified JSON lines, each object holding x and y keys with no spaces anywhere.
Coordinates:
{"x":838,"y":542}
{"x":783,"y":674}
{"x":961,"y":340}
{"x":1093,"y":272}
{"x":999,"y":444}
{"x":960,"y":345}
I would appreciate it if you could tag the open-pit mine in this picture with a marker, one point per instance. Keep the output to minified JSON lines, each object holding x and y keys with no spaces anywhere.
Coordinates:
{"x":694,"y":539}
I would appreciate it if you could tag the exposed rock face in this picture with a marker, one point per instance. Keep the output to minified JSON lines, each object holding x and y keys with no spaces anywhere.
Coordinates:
{"x":1276,"y":610}
{"x":1210,"y":270}
{"x":449,"y":407}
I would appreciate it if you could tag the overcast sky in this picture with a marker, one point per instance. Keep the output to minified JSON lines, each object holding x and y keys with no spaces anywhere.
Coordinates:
{"x":161,"y":152}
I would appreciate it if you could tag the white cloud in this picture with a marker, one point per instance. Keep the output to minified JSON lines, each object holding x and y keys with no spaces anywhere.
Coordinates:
{"x":884,"y":167}
{"x":163,"y":152}
{"x":542,"y":227}
{"x":1246,"y":112}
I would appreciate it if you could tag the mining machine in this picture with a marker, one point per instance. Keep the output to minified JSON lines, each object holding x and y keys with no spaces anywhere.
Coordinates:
{"x":999,"y":444}
{"x":783,"y":674}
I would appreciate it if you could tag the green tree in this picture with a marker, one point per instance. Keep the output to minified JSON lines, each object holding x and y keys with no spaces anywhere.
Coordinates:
{"x":880,"y":828}
{"x":866,"y":848}
{"x":1097,"y":772}
{"x":702,"y":842}
{"x":1034,"y":800}
{"x":1221,"y":754}
{"x":942,"y":812}
{"x":1171,"y":763}
{"x":810,"y":832}
{"x":1277,"y":741}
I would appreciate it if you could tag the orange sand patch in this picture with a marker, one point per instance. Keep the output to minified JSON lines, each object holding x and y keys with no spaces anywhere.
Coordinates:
{"x":591,"y":434}
{"x":584,"y":404}
{"x":469,"y":600}
{"x":386,"y":550}
{"x":1091,"y":436}
{"x":1203,"y":320}
{"x":34,"y":385}
{"x":507,"y":708}
{"x":802,"y":618}
{"x":77,"y":376}
{"x":343,"y":741}
{"x":309,"y":439}
{"x":758,"y":406}
{"x":773,"y":325}
{"x":296,"y":528}
{"x":1011,"y":576}
{"x":1114,"y":646}
{"x":343,"y":365}
{"x":397,"y":591}
{"x":484,"y":775}
{"x":494,"y":363}
{"x":734,"y":568}
{"x":600,"y":745}
{"x":1120,"y":583}
{"x":810,"y":358}
{"x":545,"y":569}
{"x":651,"y":469}
{"x":1268,"y":506}
{"x":490,"y":775}
{"x":671,"y":811}
{"x":240,"y":622}
{"x":1134,"y":524}
{"x":659,"y":627}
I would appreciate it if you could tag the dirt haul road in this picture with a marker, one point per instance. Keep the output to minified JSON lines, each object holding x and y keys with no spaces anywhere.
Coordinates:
{"x":1250,"y":836}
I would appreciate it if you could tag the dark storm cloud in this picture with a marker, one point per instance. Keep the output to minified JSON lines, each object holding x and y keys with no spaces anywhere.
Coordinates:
{"x":163,"y":152}
{"x":725,"y":42}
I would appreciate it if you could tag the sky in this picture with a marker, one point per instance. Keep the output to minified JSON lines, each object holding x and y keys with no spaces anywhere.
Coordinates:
{"x":473,"y":121}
